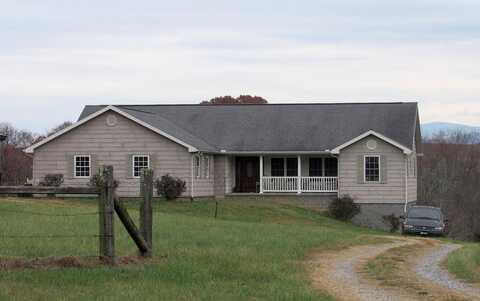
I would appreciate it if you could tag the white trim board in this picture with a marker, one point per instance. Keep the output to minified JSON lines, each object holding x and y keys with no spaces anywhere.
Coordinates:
{"x":405,"y":149}
{"x":32,"y":148}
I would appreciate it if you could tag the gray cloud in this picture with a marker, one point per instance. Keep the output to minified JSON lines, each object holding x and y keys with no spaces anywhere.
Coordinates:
{"x":57,"y":56}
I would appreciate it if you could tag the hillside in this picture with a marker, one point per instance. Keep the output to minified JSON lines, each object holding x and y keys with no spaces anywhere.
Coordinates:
{"x":253,"y":251}
{"x":432,"y":128}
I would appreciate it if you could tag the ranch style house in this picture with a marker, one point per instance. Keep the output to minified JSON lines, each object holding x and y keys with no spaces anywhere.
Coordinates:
{"x":322,"y":150}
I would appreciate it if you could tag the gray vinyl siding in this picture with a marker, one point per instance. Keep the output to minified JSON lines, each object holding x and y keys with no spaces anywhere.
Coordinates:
{"x":223,"y":175}
{"x":412,"y":178}
{"x":393,"y":191}
{"x":412,"y":188}
{"x":220,"y":175}
{"x":112,"y":146}
{"x":204,"y":186}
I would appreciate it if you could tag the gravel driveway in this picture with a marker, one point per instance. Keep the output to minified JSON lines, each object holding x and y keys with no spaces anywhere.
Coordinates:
{"x":429,"y":267}
{"x":339,"y":273}
{"x":336,"y":273}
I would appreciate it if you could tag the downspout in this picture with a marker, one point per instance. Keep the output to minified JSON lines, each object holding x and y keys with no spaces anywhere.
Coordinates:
{"x":192,"y":175}
{"x":406,"y":184}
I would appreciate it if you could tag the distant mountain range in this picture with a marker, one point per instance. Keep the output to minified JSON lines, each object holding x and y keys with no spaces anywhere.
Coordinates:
{"x":432,"y":128}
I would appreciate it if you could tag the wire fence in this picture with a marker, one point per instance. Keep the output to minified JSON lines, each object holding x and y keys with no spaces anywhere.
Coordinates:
{"x":34,"y":251}
{"x":108,"y":205}
{"x":49,"y":214}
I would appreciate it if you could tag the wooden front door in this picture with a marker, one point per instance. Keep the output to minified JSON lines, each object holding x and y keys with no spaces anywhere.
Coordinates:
{"x":247,"y":174}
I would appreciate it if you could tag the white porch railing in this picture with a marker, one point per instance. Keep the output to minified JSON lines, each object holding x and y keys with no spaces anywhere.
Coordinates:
{"x":319,"y":184}
{"x":307,"y":184}
{"x":280,"y":184}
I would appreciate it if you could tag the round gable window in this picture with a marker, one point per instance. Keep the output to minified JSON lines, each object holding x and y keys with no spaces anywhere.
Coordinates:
{"x":111,"y":120}
{"x":371,"y":144}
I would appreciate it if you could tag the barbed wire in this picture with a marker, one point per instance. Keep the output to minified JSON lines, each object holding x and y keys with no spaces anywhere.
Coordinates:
{"x":52,"y":236}
{"x":49,"y":214}
{"x":11,"y":256}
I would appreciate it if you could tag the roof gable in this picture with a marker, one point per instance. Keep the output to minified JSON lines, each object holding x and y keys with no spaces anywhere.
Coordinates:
{"x":102,"y":111}
{"x":405,"y":149}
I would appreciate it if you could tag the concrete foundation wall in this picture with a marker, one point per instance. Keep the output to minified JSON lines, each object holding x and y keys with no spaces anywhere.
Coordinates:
{"x":371,"y":215}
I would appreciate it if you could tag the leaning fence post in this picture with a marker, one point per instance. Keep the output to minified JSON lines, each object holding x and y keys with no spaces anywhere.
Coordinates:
{"x":146,"y":219}
{"x":106,"y":213}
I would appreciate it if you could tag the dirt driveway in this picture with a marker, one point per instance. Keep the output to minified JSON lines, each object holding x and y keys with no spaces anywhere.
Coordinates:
{"x":405,"y":269}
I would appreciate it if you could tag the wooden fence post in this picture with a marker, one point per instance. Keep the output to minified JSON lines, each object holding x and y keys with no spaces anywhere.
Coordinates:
{"x":131,"y":228}
{"x":146,"y":218}
{"x":106,"y":214}
{"x":3,"y":137}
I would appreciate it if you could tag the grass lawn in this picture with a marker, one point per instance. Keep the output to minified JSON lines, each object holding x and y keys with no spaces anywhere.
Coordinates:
{"x":465,"y":262}
{"x":254,"y":250}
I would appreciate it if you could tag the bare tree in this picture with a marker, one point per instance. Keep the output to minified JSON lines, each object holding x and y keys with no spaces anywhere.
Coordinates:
{"x":451,"y":179}
{"x":59,"y":127}
{"x":17,"y":167}
{"x":54,"y":130}
{"x":16,"y":137}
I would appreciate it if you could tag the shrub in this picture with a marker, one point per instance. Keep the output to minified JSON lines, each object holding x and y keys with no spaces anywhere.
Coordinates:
{"x":170,"y":187}
{"x":54,"y":180}
{"x":97,"y":180}
{"x":343,"y":208}
{"x":392,"y":221}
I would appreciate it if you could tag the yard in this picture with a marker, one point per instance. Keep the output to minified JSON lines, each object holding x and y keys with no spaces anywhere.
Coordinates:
{"x":252,"y":251}
{"x":465,"y":263}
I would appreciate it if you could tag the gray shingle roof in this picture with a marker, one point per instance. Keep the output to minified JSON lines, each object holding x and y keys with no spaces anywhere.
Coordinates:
{"x":276,"y":127}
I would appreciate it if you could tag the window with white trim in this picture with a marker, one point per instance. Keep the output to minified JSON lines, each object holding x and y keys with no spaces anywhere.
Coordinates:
{"x":196,"y":166}
{"x":82,"y":166}
{"x":206,"y":162}
{"x":140,"y":162}
{"x":372,"y":169}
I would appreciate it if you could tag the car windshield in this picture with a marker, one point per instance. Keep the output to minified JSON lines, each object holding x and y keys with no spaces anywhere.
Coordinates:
{"x":424,"y":213}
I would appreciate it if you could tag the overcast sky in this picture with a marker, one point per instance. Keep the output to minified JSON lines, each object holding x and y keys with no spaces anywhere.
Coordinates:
{"x":56,"y":56}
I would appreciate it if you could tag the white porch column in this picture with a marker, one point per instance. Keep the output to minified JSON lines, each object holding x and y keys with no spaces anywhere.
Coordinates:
{"x":299,"y":175}
{"x":261,"y":174}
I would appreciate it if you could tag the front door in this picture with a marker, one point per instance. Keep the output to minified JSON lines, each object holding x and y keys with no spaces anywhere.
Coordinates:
{"x":247,"y":174}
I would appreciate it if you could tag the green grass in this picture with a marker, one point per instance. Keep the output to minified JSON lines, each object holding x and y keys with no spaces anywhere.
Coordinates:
{"x":465,"y":263}
{"x":254,"y":250}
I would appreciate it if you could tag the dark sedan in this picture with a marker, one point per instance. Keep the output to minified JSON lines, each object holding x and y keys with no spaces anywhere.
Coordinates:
{"x":424,"y":220}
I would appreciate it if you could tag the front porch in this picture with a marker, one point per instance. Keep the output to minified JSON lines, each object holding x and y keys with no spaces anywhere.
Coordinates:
{"x":286,"y":174}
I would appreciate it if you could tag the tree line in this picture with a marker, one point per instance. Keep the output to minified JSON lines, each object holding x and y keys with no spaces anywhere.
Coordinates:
{"x":16,"y":166}
{"x":450,"y":179}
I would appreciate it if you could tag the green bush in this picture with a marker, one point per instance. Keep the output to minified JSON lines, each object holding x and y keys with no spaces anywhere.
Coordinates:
{"x":170,"y":187}
{"x":343,"y":208}
{"x":54,"y":180}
